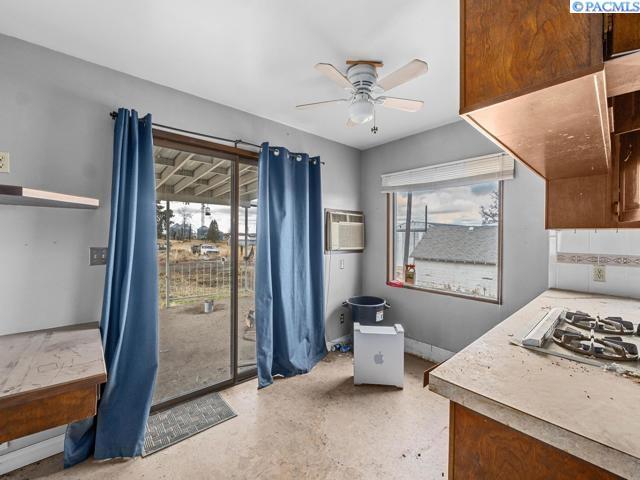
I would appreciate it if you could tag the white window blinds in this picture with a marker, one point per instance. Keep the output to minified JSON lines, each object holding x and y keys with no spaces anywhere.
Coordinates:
{"x":487,"y":168}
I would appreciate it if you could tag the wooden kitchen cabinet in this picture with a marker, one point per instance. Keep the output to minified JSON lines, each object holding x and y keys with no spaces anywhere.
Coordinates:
{"x":512,"y":47}
{"x":534,"y":81}
{"x":480,"y":447}
{"x":49,"y":378}
{"x":623,"y":33}
{"x":611,"y":200}
{"x":623,"y":74}
{"x":626,"y":113}
{"x":579,"y":202}
{"x":559,"y":132}
{"x":629,"y":177}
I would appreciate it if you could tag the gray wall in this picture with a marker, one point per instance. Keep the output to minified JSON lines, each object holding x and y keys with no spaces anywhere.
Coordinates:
{"x":54,"y":121}
{"x":444,"y":321}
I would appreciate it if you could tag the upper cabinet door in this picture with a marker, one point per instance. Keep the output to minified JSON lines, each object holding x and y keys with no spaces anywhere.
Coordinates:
{"x":629,"y":156}
{"x":511,"y":47}
{"x":623,"y":33}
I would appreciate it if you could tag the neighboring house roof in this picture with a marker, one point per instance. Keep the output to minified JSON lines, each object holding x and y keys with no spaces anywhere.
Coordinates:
{"x":458,"y":243}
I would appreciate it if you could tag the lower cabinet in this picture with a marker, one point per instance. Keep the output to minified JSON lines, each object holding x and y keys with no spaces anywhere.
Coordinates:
{"x":49,"y":411}
{"x":480,"y":448}
{"x":629,"y":177}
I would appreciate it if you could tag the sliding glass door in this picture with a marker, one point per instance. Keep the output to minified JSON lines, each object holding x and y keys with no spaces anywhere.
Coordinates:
{"x":206,"y":217}
{"x":247,"y":217}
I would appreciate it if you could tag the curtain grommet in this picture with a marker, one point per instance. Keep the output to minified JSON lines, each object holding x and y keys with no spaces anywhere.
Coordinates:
{"x":276,"y":152}
{"x":299,"y":158}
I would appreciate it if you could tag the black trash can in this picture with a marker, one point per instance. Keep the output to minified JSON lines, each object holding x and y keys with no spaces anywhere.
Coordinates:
{"x":367,"y":310}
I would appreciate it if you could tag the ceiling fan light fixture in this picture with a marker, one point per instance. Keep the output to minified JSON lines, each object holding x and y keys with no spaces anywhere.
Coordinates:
{"x":361,"y":109}
{"x":364,"y":88}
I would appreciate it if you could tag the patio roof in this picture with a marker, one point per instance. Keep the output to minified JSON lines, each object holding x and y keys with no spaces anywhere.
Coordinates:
{"x":190,"y":177}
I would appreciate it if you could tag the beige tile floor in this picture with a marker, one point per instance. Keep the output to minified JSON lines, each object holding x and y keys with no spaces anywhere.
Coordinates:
{"x":314,"y":426}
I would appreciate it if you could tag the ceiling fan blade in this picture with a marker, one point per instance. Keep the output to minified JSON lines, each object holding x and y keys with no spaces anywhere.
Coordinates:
{"x":333,"y":74}
{"x":411,"y":70}
{"x":351,"y":123}
{"x":326,"y":102}
{"x":401,"y":104}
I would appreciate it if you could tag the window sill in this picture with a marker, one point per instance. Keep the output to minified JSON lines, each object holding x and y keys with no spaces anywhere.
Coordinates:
{"x":400,"y":284}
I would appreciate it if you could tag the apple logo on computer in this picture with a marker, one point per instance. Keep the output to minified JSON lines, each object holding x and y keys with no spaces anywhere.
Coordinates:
{"x":378,"y":358}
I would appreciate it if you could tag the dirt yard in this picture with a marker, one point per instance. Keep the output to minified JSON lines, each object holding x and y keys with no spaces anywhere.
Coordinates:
{"x":195,"y":347}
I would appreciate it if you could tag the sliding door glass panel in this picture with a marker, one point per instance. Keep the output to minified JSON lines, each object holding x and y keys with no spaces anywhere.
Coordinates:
{"x":247,"y":217}
{"x":195,"y":274}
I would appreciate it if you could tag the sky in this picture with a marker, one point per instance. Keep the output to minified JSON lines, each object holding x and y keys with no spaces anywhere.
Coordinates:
{"x":221,"y":213}
{"x":454,"y":205}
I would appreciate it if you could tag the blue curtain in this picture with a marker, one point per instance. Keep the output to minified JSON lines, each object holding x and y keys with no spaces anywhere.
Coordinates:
{"x":289,"y":265}
{"x":129,"y":324}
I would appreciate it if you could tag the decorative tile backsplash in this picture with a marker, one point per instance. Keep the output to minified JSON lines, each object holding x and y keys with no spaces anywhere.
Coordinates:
{"x":591,"y":259}
{"x":574,"y":253}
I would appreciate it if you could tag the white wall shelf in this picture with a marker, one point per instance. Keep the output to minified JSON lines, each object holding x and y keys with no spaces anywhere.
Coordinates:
{"x":17,"y":195}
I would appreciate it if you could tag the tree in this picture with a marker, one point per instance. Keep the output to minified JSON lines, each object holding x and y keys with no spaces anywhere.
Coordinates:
{"x":491,"y":213}
{"x":214,"y":234}
{"x":185,"y":212}
{"x":161,"y":219}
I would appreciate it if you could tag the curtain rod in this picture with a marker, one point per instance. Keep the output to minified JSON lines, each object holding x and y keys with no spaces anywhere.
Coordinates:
{"x":114,"y":115}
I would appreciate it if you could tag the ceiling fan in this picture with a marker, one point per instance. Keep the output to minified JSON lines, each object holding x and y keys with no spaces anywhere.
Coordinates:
{"x":361,"y":81}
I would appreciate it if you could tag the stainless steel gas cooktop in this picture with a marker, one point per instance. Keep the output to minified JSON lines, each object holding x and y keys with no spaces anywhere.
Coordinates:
{"x":579,"y":336}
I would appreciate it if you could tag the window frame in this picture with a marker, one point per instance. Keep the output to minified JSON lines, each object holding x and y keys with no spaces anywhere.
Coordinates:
{"x":391,"y":222}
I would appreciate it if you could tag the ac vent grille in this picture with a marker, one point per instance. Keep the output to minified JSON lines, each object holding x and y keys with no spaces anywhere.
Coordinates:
{"x":344,"y":231}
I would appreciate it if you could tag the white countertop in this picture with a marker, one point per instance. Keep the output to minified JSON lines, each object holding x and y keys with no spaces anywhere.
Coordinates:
{"x":581,"y":409}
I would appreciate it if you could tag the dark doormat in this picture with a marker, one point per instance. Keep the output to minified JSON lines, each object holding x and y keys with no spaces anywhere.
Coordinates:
{"x":182,"y":421}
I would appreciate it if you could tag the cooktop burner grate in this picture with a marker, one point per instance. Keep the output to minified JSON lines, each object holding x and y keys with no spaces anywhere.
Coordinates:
{"x":611,"y":325}
{"x":607,"y":348}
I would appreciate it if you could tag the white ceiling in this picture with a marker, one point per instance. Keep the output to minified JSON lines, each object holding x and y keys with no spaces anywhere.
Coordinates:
{"x":258,"y":55}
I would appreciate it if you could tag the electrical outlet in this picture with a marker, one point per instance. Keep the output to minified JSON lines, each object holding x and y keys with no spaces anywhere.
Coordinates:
{"x":4,"y":162}
{"x":341,"y":318}
{"x":97,"y":255}
{"x":599,"y":273}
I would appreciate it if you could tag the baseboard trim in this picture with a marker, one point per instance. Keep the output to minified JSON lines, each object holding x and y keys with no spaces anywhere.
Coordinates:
{"x":414,"y":347}
{"x":343,"y":339}
{"x":31,"y":454}
{"x":427,"y":351}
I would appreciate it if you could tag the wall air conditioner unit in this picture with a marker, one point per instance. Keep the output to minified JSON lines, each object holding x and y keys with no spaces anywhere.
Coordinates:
{"x":344,"y":231}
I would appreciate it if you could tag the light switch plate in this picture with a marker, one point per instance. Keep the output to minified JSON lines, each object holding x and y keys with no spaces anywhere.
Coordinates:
{"x":341,"y":264}
{"x":98,"y":255}
{"x":4,"y":162}
{"x":599,"y":273}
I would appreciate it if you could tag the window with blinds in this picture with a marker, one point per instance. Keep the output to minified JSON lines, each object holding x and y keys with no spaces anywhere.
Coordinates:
{"x":445,"y":226}
{"x":488,"y":168}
